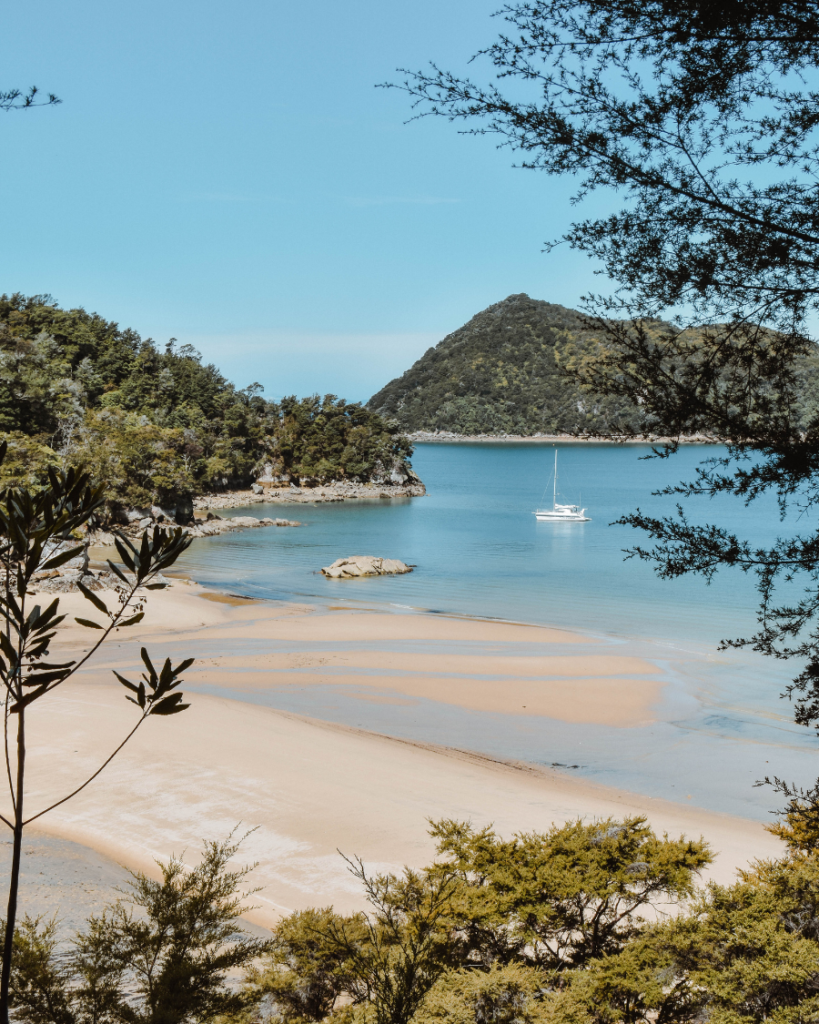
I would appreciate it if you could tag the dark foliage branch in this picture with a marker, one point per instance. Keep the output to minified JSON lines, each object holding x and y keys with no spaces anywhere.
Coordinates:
{"x":702,"y":119}
{"x":16,"y":99}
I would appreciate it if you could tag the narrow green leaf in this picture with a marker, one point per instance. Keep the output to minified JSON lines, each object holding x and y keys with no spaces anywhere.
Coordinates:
{"x":167,"y":673}
{"x":183,"y":666}
{"x":61,"y":558}
{"x":169,"y":705}
{"x":133,"y":619}
{"x":7,"y":648}
{"x":89,"y":595}
{"x":115,"y":569}
{"x":126,"y":682}
{"x":44,"y":619}
{"x":42,"y":678}
{"x":89,"y":623}
{"x":126,"y":555}
{"x":143,"y":653}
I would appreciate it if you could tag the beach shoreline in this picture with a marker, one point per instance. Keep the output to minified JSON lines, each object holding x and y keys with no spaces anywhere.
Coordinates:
{"x":311,"y":787}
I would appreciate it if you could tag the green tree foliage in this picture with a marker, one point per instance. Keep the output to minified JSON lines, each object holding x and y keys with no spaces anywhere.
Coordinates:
{"x":503,"y":994}
{"x":307,"y":971}
{"x":523,"y":366}
{"x":379,"y":964}
{"x":160,"y":955}
{"x":588,"y":923}
{"x":484,"y":934}
{"x":560,"y":899}
{"x":741,"y":954}
{"x":156,"y":426}
{"x":329,"y":439}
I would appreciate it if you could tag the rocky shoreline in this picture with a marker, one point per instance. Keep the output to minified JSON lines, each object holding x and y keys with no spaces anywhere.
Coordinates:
{"x":293,"y":495}
{"x":198,"y":518}
{"x":447,"y":437}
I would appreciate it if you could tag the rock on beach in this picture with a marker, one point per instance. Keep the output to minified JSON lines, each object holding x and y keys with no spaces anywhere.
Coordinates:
{"x":364,"y":565}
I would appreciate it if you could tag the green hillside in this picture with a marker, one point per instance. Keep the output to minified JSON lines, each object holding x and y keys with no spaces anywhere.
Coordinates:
{"x":157,"y":425}
{"x":500,"y":374}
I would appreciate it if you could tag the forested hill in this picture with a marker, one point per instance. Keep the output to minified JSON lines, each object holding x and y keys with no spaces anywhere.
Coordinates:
{"x":499,"y":374}
{"x":155,"y":424}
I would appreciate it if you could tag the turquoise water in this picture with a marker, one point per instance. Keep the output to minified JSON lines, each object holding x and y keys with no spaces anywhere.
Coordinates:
{"x":478,"y":550}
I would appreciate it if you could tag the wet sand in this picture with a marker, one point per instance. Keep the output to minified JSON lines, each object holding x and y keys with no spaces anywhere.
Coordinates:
{"x":310,"y":788}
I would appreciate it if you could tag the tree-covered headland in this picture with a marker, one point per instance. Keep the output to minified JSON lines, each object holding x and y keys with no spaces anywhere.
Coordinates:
{"x":155,"y":425}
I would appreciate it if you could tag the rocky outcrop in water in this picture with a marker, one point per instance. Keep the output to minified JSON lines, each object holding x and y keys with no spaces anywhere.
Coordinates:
{"x":364,"y":565}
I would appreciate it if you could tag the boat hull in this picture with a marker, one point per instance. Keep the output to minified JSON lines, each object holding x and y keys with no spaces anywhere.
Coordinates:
{"x":561,"y":517}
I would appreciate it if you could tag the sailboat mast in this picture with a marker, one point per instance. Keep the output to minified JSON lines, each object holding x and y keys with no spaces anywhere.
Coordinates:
{"x":554,"y":496}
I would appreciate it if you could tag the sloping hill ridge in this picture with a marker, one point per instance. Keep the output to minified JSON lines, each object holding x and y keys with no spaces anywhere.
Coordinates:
{"x":498,"y":374}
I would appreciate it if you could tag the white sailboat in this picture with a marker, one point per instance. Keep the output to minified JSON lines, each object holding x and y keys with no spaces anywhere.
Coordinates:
{"x":561,"y":513}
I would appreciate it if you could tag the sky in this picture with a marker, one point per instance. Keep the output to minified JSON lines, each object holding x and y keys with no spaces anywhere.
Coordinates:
{"x":229,"y":175}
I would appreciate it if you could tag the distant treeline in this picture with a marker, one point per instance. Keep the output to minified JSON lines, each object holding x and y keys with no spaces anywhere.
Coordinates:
{"x":156,"y":425}
{"x":505,"y":372}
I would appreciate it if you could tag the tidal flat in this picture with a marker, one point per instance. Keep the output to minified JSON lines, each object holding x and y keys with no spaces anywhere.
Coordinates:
{"x":305,"y":787}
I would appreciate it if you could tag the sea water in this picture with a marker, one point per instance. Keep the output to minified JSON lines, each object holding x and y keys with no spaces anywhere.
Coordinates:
{"x":478,"y":550}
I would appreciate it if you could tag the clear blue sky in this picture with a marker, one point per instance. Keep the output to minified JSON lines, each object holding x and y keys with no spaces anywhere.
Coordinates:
{"x":227,"y":174}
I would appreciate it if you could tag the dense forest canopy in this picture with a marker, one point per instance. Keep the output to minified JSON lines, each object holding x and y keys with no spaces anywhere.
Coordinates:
{"x":509,"y":370}
{"x":157,"y":425}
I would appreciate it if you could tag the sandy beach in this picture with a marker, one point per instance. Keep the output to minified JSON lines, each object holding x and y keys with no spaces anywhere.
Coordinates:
{"x":306,"y":789}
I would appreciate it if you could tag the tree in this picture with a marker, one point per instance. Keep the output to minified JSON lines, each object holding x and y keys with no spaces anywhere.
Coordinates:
{"x":405,"y":947}
{"x":158,"y":426}
{"x":482,"y":934}
{"x":38,"y":531}
{"x":563,"y":898}
{"x":702,"y":117}
{"x":165,"y":964}
{"x":382,"y":962}
{"x":306,"y":971}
